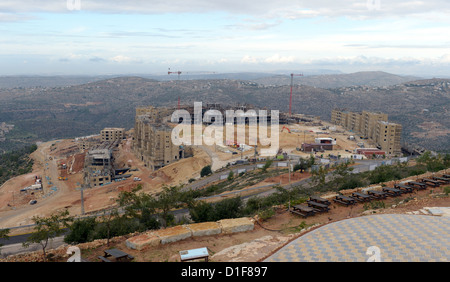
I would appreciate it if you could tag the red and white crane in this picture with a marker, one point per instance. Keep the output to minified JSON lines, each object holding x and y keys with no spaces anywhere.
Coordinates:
{"x":292,"y":83}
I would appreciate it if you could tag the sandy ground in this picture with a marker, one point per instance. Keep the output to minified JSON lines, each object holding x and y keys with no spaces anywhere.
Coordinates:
{"x":267,"y":237}
{"x":15,"y":209}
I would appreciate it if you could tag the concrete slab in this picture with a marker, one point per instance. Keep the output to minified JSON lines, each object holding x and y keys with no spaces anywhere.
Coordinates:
{"x":143,"y":240}
{"x":173,"y":234}
{"x":204,"y":228}
{"x":236,"y":225}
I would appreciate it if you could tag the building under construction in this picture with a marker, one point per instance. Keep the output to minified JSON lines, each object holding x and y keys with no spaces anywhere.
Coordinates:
{"x":98,"y":167}
{"x":99,"y":159}
{"x":373,"y":126}
{"x":152,"y":141}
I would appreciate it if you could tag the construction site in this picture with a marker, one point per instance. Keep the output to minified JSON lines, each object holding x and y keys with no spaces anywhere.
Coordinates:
{"x":85,"y":175}
{"x":372,"y":126}
{"x":103,"y":168}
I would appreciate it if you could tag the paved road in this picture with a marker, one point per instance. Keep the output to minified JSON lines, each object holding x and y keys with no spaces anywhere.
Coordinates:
{"x":363,"y":164}
{"x":13,"y":245}
{"x":17,"y":248}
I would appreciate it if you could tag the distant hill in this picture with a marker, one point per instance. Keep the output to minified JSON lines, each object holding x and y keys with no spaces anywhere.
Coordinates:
{"x":368,"y":78}
{"x":60,"y":112}
{"x":45,"y":81}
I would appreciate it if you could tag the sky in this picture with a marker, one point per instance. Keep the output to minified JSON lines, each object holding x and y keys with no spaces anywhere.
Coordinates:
{"x":103,"y":37}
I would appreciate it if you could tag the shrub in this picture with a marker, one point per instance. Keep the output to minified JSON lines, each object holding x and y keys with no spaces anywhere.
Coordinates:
{"x":447,"y":190}
{"x":81,"y":231}
{"x":266,"y":214}
{"x":206,"y":171}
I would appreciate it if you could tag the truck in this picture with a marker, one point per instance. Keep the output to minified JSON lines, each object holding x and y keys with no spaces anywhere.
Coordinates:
{"x":136,"y":179}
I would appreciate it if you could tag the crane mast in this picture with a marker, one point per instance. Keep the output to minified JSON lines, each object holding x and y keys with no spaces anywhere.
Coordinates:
{"x":292,"y":83}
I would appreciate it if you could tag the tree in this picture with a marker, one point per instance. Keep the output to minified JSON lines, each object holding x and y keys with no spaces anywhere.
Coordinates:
{"x":107,"y":223}
{"x":311,"y":160}
{"x":201,"y":212}
{"x":48,"y":228}
{"x":137,"y":204}
{"x":4,"y":235}
{"x":167,"y":200}
{"x":302,"y":165}
{"x":433,"y":163}
{"x":141,"y":206}
{"x":341,"y":173}
{"x":319,"y":175}
{"x":206,"y":171}
{"x":267,"y":165}
{"x":228,"y":208}
{"x":81,"y":231}
{"x":230,"y":175}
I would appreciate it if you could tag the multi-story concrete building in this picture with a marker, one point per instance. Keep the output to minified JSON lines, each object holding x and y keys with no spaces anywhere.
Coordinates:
{"x":388,"y":137}
{"x":152,"y":142}
{"x":112,"y":134}
{"x":369,"y":122}
{"x":350,"y":120}
{"x":98,"y":168}
{"x":373,"y":126}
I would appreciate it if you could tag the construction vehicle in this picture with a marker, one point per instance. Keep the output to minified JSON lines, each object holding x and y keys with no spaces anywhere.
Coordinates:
{"x":235,"y":145}
{"x":62,"y":178}
{"x":284,"y":127}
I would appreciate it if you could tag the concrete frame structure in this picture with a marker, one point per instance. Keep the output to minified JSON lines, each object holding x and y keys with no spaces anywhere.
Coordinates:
{"x":98,"y":169}
{"x":373,"y":126}
{"x":388,"y":137}
{"x":112,"y":134}
{"x":152,"y":142}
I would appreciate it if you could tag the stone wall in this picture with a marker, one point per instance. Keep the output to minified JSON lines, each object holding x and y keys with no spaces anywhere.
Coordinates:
{"x":177,"y":233}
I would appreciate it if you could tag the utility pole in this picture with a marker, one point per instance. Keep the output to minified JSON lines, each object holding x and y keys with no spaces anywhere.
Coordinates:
{"x":82,"y":187}
{"x":82,"y":201}
{"x":289,"y":168}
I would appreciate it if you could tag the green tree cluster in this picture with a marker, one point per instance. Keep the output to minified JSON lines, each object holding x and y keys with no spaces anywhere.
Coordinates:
{"x":16,"y":163}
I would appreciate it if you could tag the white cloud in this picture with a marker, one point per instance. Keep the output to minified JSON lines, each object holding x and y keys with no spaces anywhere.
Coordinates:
{"x":249,"y":59}
{"x":268,"y":8}
{"x":121,"y":59}
{"x":275,"y":59}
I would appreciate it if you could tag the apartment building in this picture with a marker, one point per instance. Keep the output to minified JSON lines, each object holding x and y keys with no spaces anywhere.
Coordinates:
{"x":388,"y":137}
{"x":369,"y":122}
{"x":349,"y":120}
{"x":112,"y":134}
{"x":152,"y":141}
{"x":373,"y":126}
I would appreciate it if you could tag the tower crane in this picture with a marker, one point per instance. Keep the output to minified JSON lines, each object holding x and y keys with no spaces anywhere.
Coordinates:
{"x":174,"y":72}
{"x":292,"y":83}
{"x":179,"y":72}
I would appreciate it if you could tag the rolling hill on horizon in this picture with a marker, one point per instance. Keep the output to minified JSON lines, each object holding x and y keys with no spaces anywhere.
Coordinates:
{"x":45,"y":113}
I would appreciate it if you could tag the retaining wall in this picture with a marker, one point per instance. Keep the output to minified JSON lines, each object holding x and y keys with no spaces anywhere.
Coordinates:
{"x":181,"y":232}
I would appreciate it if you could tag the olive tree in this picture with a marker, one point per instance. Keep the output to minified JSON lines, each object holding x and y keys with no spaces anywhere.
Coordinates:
{"x":47,"y":228}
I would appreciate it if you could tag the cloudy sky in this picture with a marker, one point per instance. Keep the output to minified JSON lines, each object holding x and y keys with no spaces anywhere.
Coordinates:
{"x":49,"y":37}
